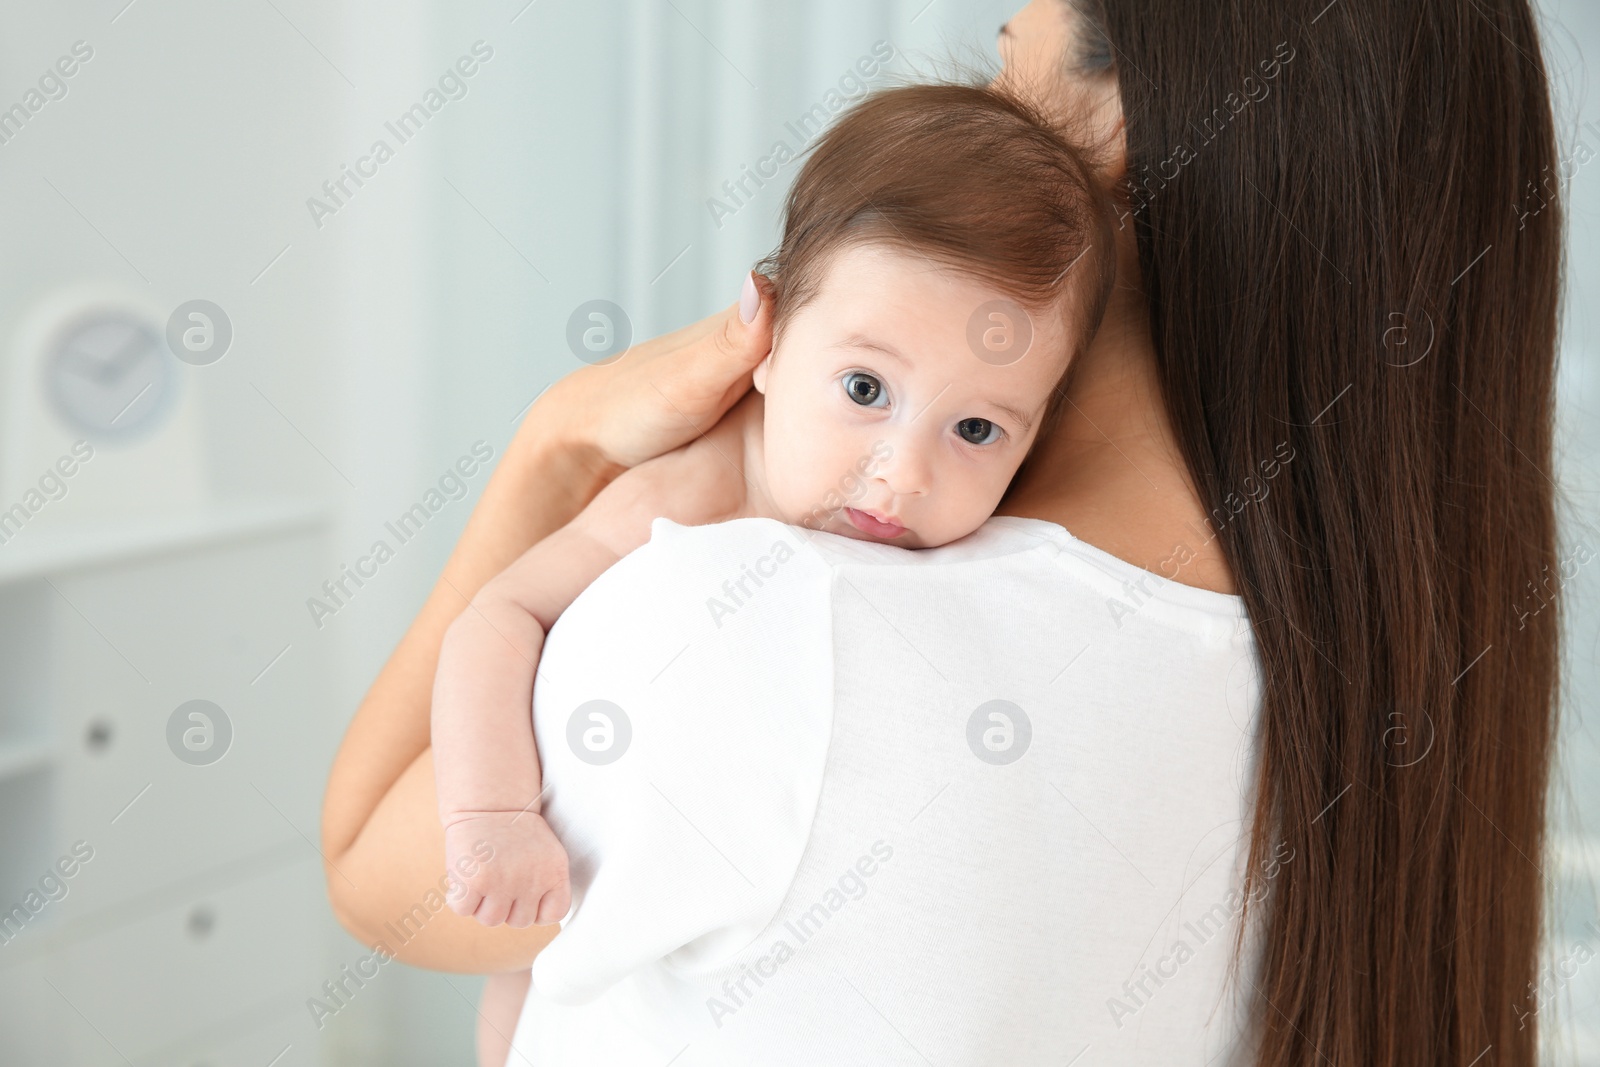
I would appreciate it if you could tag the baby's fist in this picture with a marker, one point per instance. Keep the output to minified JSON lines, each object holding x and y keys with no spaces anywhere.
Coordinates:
{"x":508,"y":868}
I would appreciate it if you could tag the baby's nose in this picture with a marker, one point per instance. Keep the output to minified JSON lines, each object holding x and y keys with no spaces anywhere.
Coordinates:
{"x":907,"y":471}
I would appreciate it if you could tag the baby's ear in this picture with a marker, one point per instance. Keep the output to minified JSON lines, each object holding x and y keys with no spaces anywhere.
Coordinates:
{"x":758,"y":377}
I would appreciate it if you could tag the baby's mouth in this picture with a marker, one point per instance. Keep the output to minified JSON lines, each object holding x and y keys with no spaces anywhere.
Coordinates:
{"x":876,"y":525}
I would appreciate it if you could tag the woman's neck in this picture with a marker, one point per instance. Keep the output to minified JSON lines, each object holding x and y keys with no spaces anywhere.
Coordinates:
{"x":1112,"y":472}
{"x":1114,"y":396}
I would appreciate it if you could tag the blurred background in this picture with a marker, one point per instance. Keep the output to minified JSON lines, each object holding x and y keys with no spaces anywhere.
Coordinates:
{"x":276,"y":275}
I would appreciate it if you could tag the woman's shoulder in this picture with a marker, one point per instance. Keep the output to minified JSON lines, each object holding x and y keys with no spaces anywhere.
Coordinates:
{"x":693,"y":545}
{"x":677,"y":559}
{"x":765,"y":577}
{"x":714,"y":593}
{"x":712,"y":541}
{"x":683,"y":711}
{"x":1011,"y":542}
{"x":1159,"y":590}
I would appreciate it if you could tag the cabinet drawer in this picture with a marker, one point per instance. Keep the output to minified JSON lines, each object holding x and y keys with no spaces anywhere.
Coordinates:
{"x":129,"y":645}
{"x":206,"y":971}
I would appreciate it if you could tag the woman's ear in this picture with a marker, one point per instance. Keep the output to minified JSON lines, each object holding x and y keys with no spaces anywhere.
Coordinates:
{"x":758,"y":377}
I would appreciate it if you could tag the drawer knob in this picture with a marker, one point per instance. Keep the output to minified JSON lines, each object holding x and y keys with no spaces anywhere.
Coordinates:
{"x":97,"y":738}
{"x":200,"y":922}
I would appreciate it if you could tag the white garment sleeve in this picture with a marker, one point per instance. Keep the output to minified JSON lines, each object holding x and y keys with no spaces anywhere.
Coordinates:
{"x":683,"y":711}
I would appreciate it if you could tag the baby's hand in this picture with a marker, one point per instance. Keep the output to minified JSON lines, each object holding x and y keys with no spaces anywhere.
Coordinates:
{"x":519,"y":879}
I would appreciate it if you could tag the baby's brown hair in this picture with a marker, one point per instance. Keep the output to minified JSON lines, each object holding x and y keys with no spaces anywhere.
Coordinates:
{"x":971,"y":176}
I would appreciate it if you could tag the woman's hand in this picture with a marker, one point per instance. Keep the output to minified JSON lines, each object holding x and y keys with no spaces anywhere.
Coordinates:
{"x":665,"y":392}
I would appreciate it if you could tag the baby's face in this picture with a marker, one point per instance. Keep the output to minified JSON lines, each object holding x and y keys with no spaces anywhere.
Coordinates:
{"x":897,"y":408}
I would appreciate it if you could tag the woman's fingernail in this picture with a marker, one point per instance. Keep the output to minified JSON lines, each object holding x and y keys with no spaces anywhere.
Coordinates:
{"x":749,"y":299}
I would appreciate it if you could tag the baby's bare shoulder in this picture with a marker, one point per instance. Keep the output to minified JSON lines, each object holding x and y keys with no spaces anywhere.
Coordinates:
{"x":709,"y":479}
{"x":701,"y":482}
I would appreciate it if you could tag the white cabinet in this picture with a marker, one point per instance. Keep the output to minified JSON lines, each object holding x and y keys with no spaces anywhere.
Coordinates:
{"x":190,"y":924}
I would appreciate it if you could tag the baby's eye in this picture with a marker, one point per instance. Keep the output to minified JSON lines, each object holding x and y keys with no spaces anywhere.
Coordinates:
{"x":864,"y":389}
{"x":978,"y":431}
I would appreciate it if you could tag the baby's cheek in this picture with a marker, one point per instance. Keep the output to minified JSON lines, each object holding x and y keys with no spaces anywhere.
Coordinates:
{"x":970,"y":509}
{"x":796,"y":493}
{"x":802,"y":477}
{"x":851,"y":485}
{"x":965,"y":519}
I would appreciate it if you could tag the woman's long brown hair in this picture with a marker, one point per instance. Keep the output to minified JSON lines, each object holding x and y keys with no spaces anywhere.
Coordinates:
{"x":1360,"y":255}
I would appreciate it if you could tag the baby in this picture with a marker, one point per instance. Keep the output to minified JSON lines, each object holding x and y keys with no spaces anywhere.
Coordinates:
{"x":945,"y":256}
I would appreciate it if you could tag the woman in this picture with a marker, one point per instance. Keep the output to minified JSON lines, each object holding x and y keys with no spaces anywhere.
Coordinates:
{"x":1325,"y":255}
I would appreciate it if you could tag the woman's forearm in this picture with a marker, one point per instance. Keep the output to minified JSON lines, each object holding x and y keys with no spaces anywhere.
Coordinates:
{"x":386,"y":853}
{"x":383,"y":844}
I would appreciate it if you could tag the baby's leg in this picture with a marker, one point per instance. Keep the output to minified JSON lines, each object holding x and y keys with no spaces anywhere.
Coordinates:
{"x":503,"y":995}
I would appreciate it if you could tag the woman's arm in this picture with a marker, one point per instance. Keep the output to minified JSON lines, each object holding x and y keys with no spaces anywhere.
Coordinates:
{"x":486,"y":769}
{"x":383,"y":845}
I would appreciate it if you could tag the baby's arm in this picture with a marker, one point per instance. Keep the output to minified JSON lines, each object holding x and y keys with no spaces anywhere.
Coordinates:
{"x":485,"y":761}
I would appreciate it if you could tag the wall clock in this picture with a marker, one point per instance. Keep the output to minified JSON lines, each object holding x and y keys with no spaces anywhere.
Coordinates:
{"x":108,"y":374}
{"x":90,"y":363}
